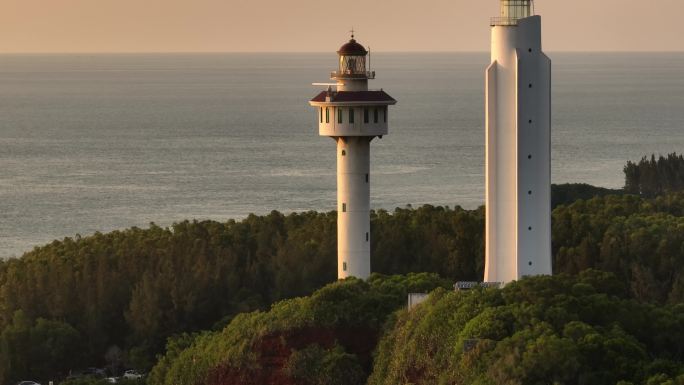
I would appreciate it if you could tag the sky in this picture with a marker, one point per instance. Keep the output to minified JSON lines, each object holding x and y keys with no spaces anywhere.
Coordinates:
{"x":321,"y":26}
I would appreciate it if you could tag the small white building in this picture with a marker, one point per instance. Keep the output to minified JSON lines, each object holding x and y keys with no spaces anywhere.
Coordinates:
{"x":415,"y":299}
{"x":518,"y":147}
{"x":353,"y":116}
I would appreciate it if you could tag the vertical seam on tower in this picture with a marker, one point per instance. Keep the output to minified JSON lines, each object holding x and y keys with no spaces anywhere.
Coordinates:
{"x":517,"y":165}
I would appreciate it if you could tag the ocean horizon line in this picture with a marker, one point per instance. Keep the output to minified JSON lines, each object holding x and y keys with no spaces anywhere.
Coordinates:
{"x":18,"y":53}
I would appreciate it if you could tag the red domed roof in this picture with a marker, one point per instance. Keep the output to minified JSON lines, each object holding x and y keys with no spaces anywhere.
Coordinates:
{"x":352,"y":48}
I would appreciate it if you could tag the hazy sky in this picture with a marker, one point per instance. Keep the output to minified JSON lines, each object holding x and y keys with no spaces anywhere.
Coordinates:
{"x":316,"y":25}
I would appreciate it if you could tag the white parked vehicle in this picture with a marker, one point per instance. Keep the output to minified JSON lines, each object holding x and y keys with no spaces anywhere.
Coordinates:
{"x":132,"y":375}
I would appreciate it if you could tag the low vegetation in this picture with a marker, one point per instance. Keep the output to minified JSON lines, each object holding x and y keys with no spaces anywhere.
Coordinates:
{"x":327,"y":338}
{"x":581,"y":330}
{"x":585,"y":330}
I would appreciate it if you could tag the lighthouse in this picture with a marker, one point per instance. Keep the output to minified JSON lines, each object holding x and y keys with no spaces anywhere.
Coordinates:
{"x":352,"y":115}
{"x":518,"y":147}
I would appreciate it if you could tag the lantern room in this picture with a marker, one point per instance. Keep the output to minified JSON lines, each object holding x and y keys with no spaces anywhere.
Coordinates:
{"x":512,"y":11}
{"x":353,"y":63}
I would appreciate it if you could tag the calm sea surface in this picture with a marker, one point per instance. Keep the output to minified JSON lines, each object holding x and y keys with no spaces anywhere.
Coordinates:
{"x":102,"y":142}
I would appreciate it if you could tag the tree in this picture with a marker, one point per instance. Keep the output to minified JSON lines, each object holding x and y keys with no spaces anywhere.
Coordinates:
{"x":37,"y":350}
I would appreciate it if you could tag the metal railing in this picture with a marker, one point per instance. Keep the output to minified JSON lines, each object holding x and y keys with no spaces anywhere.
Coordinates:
{"x":503,"y":21}
{"x":468,"y":285}
{"x":353,"y":75}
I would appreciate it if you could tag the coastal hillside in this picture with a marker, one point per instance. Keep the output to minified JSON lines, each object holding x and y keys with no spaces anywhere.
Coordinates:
{"x":128,"y":291}
{"x":114,"y":300}
{"x":581,"y":330}
{"x":326,"y":338}
{"x":585,"y":330}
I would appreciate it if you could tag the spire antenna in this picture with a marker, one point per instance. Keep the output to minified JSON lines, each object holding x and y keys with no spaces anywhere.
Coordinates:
{"x":352,"y":32}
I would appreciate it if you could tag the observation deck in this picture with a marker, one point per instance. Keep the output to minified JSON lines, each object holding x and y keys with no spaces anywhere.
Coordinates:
{"x":503,"y":21}
{"x":349,"y":74}
{"x":370,"y":97}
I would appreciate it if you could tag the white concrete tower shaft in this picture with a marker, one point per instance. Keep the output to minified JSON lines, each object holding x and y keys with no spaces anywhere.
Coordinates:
{"x":353,"y":206}
{"x":353,"y":115}
{"x":518,"y":147}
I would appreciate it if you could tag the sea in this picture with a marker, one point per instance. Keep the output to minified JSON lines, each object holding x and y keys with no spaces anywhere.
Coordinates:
{"x":98,"y":142}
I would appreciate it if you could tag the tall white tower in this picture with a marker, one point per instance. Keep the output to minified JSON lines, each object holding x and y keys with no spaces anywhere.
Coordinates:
{"x":518,"y":142}
{"x":352,"y":115}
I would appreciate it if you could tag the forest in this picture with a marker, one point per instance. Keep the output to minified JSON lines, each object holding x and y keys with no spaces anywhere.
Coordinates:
{"x":653,"y":177}
{"x":585,"y":329}
{"x":118,"y":299}
{"x":576,"y":330}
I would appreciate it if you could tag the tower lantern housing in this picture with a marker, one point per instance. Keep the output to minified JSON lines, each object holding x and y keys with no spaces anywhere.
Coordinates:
{"x":512,"y":11}
{"x":352,"y":58}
